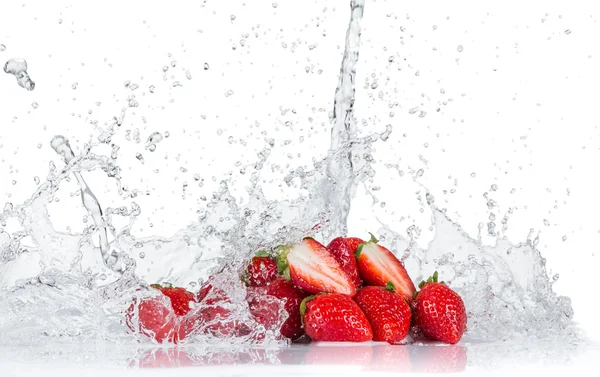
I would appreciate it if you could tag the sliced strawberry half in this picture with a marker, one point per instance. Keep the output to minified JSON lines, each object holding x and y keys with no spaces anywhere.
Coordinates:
{"x":312,"y":268}
{"x":377,"y":265}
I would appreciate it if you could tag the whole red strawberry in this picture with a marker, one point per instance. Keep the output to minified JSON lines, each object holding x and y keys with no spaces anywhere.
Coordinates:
{"x":439,"y":311}
{"x":334,"y":317}
{"x":343,"y":252}
{"x":265,"y":311}
{"x":312,"y":268}
{"x":261,"y":270}
{"x":353,"y":243}
{"x":388,"y":313}
{"x":155,"y":319}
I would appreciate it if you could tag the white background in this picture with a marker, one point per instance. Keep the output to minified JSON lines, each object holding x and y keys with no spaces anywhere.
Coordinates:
{"x":518,"y":108}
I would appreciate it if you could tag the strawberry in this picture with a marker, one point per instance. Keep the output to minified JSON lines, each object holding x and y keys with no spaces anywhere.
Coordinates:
{"x":334,"y":317}
{"x":439,"y":311}
{"x":378,"y":266}
{"x":261,"y":270}
{"x":213,"y":317}
{"x":342,"y":251}
{"x":388,"y":313}
{"x":156,"y":320}
{"x":180,"y":297}
{"x":354,"y":242}
{"x":266,"y":312}
{"x":312,"y":268}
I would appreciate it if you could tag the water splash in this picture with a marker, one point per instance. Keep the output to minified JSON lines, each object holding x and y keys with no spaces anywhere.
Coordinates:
{"x":58,"y":287}
{"x":18,"y":68}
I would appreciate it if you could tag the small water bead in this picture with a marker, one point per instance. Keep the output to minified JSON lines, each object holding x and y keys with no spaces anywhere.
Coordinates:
{"x":494,"y":187}
{"x":564,"y":238}
{"x":206,"y":66}
{"x":36,"y":179}
{"x":188,"y":75}
{"x":413,"y":110}
{"x":459,"y":48}
{"x":151,"y":88}
{"x":2,"y":47}
{"x":176,"y":84}
{"x":74,"y":85}
{"x":142,"y":255}
{"x":274,"y":5}
{"x":165,"y":68}
{"x":34,"y":105}
{"x":173,"y":63}
{"x":139,"y":157}
{"x":546,"y":222}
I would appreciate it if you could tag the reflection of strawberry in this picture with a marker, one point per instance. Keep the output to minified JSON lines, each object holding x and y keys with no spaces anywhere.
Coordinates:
{"x":156,"y":320}
{"x":350,"y":355}
{"x":342,"y":251}
{"x":165,"y":358}
{"x":388,"y":313}
{"x":312,"y":268}
{"x":377,"y":265}
{"x":265,"y":310}
{"x":261,"y":270}
{"x":334,"y":317}
{"x":438,"y":359}
{"x":439,"y":311}
{"x":387,"y":358}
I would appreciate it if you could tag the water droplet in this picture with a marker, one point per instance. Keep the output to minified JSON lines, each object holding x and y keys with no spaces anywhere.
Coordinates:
{"x":564,"y":238}
{"x":139,"y":157}
{"x":568,"y":31}
{"x":546,"y":222}
{"x":34,"y":105}
{"x":36,"y":179}
{"x":374,"y":85}
{"x":18,"y":68}
{"x":232,"y":17}
{"x":206,"y":66}
{"x":229,"y":93}
{"x":274,"y":5}
{"x":459,"y":48}
{"x":176,"y":83}
{"x":151,"y":88}
{"x":413,"y":110}
{"x":494,"y":187}
{"x":165,"y":68}
{"x":188,"y":75}
{"x":142,"y":255}
{"x":74,"y":85}
{"x":420,"y":173}
{"x":2,"y":48}
{"x":473,"y":175}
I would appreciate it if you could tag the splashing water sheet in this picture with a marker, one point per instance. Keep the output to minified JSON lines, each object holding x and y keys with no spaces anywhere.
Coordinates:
{"x":181,"y":141}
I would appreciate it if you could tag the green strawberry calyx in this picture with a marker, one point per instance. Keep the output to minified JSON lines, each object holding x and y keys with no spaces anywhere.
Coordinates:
{"x":262,"y":253}
{"x":283,"y":266}
{"x":390,"y":287}
{"x":432,"y":279}
{"x":162,"y":286}
{"x":373,"y":239}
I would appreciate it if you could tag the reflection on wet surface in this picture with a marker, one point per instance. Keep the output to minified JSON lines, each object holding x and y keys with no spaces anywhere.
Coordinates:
{"x":367,"y":357}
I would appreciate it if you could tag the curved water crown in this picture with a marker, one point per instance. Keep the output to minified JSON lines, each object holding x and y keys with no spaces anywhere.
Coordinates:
{"x":112,"y":258}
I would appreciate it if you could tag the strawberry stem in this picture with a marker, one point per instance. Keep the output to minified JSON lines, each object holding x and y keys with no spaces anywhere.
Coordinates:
{"x":373,"y":238}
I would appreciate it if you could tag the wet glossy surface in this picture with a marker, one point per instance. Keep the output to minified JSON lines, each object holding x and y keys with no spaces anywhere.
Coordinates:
{"x":314,"y":359}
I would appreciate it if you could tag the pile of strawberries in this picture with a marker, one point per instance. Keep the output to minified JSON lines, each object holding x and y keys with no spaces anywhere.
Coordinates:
{"x":349,"y":290}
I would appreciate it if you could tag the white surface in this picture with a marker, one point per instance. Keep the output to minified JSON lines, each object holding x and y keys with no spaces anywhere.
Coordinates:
{"x":523,"y":113}
{"x":316,"y":359}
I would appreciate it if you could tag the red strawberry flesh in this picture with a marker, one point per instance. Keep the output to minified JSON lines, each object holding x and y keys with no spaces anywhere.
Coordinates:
{"x":314,"y":269}
{"x":378,"y":266}
{"x":262,"y":270}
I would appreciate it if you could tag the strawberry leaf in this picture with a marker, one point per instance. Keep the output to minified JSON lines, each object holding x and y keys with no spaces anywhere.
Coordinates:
{"x":435,"y":277}
{"x":373,"y":238}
